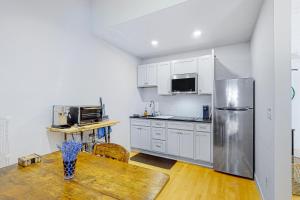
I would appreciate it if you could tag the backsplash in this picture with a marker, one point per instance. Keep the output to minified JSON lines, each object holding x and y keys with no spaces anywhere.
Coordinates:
{"x":186,"y":105}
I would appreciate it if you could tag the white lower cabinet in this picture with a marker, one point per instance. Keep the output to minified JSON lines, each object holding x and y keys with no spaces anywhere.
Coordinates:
{"x":189,"y":140}
{"x":173,"y":142}
{"x":187,"y":144}
{"x":181,"y":143}
{"x":202,"y":146}
{"x":141,"y":137}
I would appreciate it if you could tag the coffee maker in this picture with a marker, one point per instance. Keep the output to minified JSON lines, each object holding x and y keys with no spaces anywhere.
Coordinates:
{"x":205,"y":112}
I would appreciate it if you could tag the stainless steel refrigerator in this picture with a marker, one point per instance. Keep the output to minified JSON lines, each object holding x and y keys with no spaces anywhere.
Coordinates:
{"x":234,"y":127}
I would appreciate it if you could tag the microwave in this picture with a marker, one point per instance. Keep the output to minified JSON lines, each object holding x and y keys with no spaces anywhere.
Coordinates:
{"x":184,"y":83}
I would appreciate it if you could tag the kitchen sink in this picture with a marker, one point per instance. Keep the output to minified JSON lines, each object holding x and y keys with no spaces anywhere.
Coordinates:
{"x":160,"y":117}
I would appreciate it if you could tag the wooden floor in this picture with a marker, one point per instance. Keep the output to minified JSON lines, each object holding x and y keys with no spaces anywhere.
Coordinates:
{"x":193,"y":182}
{"x":296,"y":160}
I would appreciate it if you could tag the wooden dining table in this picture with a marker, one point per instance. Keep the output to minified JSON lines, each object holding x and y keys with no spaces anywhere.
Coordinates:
{"x":95,"y":178}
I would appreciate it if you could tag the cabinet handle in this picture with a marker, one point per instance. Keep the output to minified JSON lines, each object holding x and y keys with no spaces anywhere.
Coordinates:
{"x":158,"y":146}
{"x":157,"y":133}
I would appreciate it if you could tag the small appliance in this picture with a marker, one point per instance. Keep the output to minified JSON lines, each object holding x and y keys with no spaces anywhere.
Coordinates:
{"x":184,"y":83}
{"x":66,"y":116}
{"x":205,"y":112}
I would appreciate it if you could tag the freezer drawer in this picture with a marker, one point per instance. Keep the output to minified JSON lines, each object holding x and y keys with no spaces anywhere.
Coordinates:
{"x":234,"y":142}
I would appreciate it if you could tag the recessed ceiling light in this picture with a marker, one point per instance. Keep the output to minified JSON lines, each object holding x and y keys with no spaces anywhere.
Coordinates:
{"x":197,"y":33}
{"x":154,"y":43}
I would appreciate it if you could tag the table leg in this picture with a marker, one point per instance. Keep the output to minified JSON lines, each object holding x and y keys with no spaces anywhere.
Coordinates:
{"x":105,"y":135}
{"x":65,"y":137}
{"x":81,"y":137}
{"x":94,"y":137}
{"x":108,"y":134}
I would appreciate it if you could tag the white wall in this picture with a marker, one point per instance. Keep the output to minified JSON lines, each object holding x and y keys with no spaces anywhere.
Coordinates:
{"x":282,"y":106}
{"x":262,"y":47}
{"x":233,"y":61}
{"x":296,"y":74}
{"x":271,"y":73}
{"x":48,"y":56}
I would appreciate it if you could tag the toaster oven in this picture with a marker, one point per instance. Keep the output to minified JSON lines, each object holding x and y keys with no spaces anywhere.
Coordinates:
{"x":66,"y":116}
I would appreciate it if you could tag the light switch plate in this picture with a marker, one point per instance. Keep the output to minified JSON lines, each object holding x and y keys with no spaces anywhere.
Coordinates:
{"x":269,"y":113}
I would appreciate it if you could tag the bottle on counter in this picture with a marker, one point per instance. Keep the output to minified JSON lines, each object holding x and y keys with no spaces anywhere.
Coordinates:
{"x":145,"y":113}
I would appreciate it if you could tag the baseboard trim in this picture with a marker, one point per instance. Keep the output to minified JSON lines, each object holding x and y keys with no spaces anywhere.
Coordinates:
{"x":203,"y":164}
{"x":258,"y":186}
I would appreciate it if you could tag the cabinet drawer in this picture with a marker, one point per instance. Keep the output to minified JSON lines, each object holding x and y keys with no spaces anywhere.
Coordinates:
{"x":159,"y":146}
{"x":158,"y":133}
{"x":203,"y":127}
{"x":140,"y":122}
{"x":156,"y":123}
{"x":181,"y":125}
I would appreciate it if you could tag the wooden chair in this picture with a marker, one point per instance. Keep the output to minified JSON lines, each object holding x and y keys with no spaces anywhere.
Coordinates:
{"x":113,"y":151}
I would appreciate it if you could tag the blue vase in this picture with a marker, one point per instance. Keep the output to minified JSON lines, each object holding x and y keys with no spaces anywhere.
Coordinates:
{"x":69,"y":169}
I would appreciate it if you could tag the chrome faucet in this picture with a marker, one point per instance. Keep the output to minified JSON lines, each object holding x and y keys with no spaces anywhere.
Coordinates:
{"x":152,"y":106}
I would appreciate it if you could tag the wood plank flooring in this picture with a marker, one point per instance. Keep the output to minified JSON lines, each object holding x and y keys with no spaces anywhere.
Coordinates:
{"x":193,"y":182}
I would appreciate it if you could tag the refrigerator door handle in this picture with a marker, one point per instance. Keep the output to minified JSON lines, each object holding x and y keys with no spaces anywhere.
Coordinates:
{"x":233,"y":109}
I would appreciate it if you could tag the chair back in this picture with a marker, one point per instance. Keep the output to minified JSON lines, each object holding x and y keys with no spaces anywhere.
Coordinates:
{"x":113,"y":151}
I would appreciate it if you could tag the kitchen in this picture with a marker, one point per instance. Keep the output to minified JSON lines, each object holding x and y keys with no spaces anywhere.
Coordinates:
{"x":72,"y":53}
{"x":188,"y":135}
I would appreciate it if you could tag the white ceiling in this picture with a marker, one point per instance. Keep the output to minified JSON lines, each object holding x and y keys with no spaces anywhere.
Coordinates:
{"x":222,"y":22}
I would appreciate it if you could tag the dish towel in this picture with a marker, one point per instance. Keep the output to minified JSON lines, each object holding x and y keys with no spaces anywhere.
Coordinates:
{"x":101,"y":133}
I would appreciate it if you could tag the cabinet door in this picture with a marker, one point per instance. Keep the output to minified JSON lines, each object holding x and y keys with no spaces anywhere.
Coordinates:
{"x":145,"y":138}
{"x":135,"y":136}
{"x":185,"y":66}
{"x":202,"y":146}
{"x":164,"y":78}
{"x":142,"y":76}
{"x":173,"y":142}
{"x":187,"y":144}
{"x":152,"y":75}
{"x":205,"y":74}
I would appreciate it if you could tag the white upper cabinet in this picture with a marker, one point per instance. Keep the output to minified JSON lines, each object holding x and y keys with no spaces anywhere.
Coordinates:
{"x":185,"y":66}
{"x":164,"y":78}
{"x":142,"y":75}
{"x":205,"y":74}
{"x":147,"y":75}
{"x":152,"y":75}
